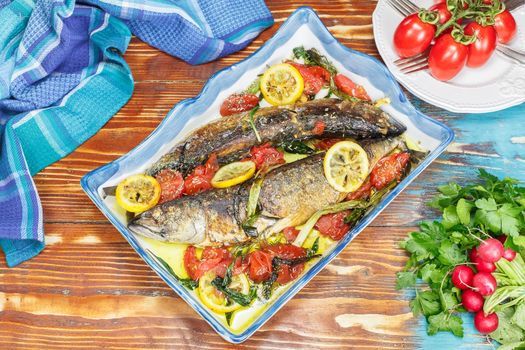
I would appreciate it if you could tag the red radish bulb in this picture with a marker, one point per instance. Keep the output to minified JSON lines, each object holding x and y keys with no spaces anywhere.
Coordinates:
{"x":462,"y":276}
{"x":484,"y":283}
{"x":502,"y":238}
{"x":490,"y":250}
{"x":509,"y":254}
{"x":472,"y":301}
{"x":484,"y":266}
{"x":473,"y":255}
{"x":486,"y":324}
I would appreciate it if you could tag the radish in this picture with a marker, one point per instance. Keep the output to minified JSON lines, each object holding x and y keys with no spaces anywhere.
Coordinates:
{"x":509,"y":254}
{"x":486,"y":323}
{"x":484,"y":283}
{"x":462,"y":276}
{"x":490,"y":250}
{"x":484,"y":266}
{"x":473,"y":255}
{"x":472,"y":301}
{"x":502,"y":238}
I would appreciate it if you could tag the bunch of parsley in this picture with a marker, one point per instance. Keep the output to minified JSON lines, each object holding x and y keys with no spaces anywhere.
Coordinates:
{"x":470,"y":213}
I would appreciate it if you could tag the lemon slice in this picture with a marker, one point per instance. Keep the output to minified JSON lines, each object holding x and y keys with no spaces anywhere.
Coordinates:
{"x":233,"y":174}
{"x":214,"y":299}
{"x":346,"y":166}
{"x":138,"y":193}
{"x":282,"y":84}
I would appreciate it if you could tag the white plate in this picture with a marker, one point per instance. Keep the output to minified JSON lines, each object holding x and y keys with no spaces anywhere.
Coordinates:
{"x":499,"y":84}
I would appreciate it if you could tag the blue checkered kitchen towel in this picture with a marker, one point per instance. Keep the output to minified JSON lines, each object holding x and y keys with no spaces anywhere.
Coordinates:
{"x":62,"y":77}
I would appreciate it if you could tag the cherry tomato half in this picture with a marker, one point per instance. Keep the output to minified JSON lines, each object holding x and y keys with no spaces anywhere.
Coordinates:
{"x":286,"y":251}
{"x":388,"y":169}
{"x":315,"y":77}
{"x":447,"y":57}
{"x":171,"y":184}
{"x":200,"y":179}
{"x":505,"y":26}
{"x":260,"y":266}
{"x":238,"y":103}
{"x":350,"y":88}
{"x":480,"y":50}
{"x":413,"y":36}
{"x":265,"y":156}
{"x":333,"y":225}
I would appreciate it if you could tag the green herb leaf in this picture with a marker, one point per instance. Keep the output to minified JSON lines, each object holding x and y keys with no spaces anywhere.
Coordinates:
{"x":185,"y":282}
{"x":239,"y":298}
{"x":296,"y":147}
{"x":425,"y":303}
{"x":445,"y":322}
{"x":405,"y":279}
{"x":463,"y":209}
{"x":450,"y":254}
{"x":507,"y":331}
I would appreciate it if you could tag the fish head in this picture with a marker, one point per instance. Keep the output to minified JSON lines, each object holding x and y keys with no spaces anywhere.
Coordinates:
{"x":184,"y":223}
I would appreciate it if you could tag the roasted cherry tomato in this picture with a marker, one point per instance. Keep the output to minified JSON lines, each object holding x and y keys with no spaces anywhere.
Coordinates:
{"x":505,"y":26}
{"x":485,"y":44}
{"x":241,"y":265}
{"x":260,"y":266}
{"x":212,"y":259}
{"x":200,"y":179}
{"x":171,"y":184}
{"x":333,"y":225}
{"x":289,"y":273}
{"x":350,"y":88}
{"x":318,"y":127}
{"x":191,"y":263}
{"x":285,"y":251}
{"x":238,"y":103}
{"x":265,"y":156}
{"x":315,"y":77}
{"x":388,"y":169}
{"x":447,"y":57}
{"x":325,"y":144}
{"x":290,"y":233}
{"x":362,"y":192}
{"x":413,"y":36}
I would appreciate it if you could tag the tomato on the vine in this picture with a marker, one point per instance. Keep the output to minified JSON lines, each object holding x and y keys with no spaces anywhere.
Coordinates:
{"x":413,"y":36}
{"x":505,"y":26}
{"x":443,"y":12}
{"x":447,"y":57}
{"x":480,"y":50}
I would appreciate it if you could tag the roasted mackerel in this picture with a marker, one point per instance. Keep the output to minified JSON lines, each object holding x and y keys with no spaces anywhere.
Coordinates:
{"x":231,"y":138}
{"x":289,"y":195}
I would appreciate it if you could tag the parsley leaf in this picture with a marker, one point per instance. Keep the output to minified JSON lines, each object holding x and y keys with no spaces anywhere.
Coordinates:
{"x":445,"y":322}
{"x":405,"y":279}
{"x":425,"y":303}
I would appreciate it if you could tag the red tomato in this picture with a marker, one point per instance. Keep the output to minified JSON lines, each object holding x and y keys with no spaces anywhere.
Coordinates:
{"x":413,"y":36}
{"x":238,"y":103}
{"x":361,"y":192}
{"x":213,"y":259}
{"x":485,"y":44}
{"x":260,"y":266}
{"x":200,"y":179}
{"x":447,"y":57}
{"x":289,"y":273}
{"x":325,"y":144}
{"x":505,"y":26}
{"x":191,"y":263}
{"x":290,"y":233}
{"x":333,"y":225}
{"x":171,"y":184}
{"x":265,"y":156}
{"x":388,"y":169}
{"x":285,"y":251}
{"x":241,"y":266}
{"x":318,"y":127}
{"x":444,"y":13}
{"x":350,"y":88}
{"x":314,"y":77}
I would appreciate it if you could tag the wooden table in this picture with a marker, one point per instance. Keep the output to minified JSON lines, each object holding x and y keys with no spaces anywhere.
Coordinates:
{"x":90,"y":290}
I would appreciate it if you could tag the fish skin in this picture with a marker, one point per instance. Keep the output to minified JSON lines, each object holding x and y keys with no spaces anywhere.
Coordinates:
{"x":289,"y":195}
{"x":232,"y":137}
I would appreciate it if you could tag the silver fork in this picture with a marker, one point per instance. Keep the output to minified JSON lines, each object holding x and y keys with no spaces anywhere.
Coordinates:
{"x":419,"y":62}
